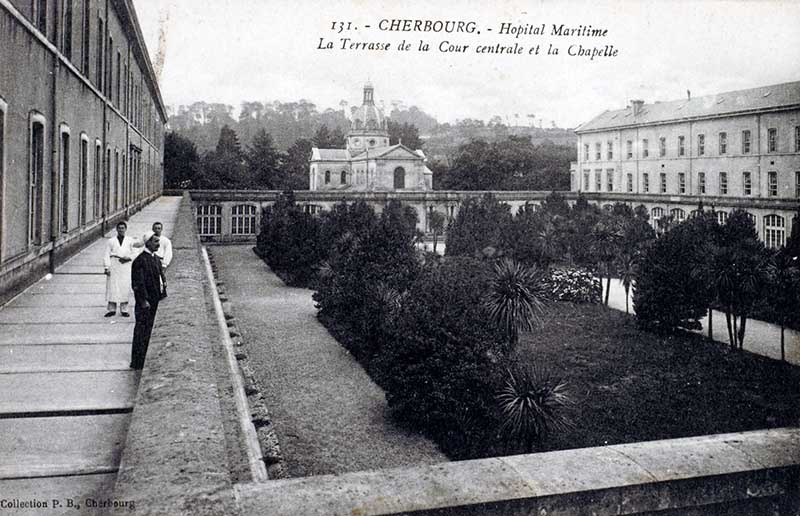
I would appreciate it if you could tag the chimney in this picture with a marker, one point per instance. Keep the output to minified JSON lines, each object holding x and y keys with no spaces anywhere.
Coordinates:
{"x":688,"y":94}
{"x":637,"y":106}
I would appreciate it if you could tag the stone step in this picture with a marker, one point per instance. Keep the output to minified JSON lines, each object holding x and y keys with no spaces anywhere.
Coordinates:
{"x":118,"y":329}
{"x":64,"y":357}
{"x":75,"y":488}
{"x":54,"y":446}
{"x":56,"y":392}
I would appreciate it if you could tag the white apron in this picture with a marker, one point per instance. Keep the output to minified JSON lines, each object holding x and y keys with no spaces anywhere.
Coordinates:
{"x":118,"y":282}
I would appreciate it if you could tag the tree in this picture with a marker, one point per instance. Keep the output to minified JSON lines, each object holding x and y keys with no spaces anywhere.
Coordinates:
{"x":606,"y":238}
{"x":181,"y":162}
{"x":326,"y":139}
{"x":533,"y":404}
{"x":784,"y":293}
{"x":480,"y":223}
{"x":627,"y":267}
{"x":264,"y":162}
{"x":404,"y":133}
{"x":436,"y":220}
{"x":514,"y":301}
{"x":295,"y":174}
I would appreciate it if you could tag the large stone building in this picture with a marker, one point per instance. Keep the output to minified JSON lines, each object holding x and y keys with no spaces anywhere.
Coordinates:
{"x":369,"y":163}
{"x":739,"y":149}
{"x":81,"y":128}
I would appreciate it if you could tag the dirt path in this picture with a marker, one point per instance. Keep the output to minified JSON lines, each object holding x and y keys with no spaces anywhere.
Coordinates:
{"x":330,"y":416}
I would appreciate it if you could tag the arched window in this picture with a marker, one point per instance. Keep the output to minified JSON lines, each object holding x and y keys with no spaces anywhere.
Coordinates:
{"x":399,"y":178}
{"x":209,"y":219}
{"x":243,"y":219}
{"x":695,"y":213}
{"x":678,"y":214}
{"x":327,"y":177}
{"x":35,"y":178}
{"x":722,"y":217}
{"x":343,"y":177}
{"x":774,"y":231}
{"x":656,"y":213}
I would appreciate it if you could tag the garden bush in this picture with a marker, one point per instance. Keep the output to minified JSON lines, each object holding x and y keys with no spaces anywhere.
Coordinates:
{"x":575,"y":285}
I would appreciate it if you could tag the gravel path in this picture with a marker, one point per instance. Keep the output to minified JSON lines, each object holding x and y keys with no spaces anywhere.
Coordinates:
{"x":330,"y":416}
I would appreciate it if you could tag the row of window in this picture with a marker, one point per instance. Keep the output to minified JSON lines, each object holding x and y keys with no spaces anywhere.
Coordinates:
{"x":109,"y":173}
{"x":722,"y":145}
{"x":774,"y":226}
{"x":700,"y":189}
{"x":399,"y":178}
{"x":112,"y":76}
{"x":209,"y":219}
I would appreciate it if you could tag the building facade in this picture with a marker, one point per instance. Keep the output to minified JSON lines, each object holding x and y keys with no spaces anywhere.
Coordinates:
{"x":369,"y":163}
{"x":738,"y":149}
{"x":81,"y":128}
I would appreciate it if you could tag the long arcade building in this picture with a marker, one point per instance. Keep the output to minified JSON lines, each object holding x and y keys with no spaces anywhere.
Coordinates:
{"x":739,"y":149}
{"x":81,"y":129}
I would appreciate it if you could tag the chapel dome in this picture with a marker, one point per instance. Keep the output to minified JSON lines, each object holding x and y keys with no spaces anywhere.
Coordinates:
{"x":368,"y":117}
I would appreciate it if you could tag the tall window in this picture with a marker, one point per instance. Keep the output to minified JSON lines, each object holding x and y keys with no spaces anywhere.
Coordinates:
{"x":662,"y":146}
{"x":681,"y":182}
{"x":399,"y":178}
{"x":655,"y":215}
{"x":64,"y":181}
{"x":797,"y":138}
{"x":797,"y":184}
{"x":243,"y":219}
{"x":117,"y":180}
{"x":772,"y":140}
{"x":722,"y":217}
{"x":209,"y":219}
{"x":35,"y":180}
{"x":67,"y":29}
{"x":85,"y":37}
{"x":98,"y":171}
{"x":597,"y":151}
{"x":645,"y":150}
{"x":107,"y":182}
{"x":663,"y":183}
{"x":723,"y":143}
{"x":646,"y":182}
{"x":745,"y":142}
{"x":723,"y":183}
{"x":747,"y":183}
{"x":585,"y":152}
{"x":630,"y":182}
{"x":585,"y":180}
{"x":598,"y":182}
{"x":610,"y":150}
{"x":629,"y":147}
{"x":84,"y":178}
{"x":701,"y":144}
{"x":39,"y":11}
{"x":327,"y":177}
{"x":678,"y":215}
{"x":343,"y":177}
{"x":109,"y":68}
{"x":100,"y":54}
{"x":774,"y":231}
{"x":119,"y":79}
{"x":610,"y":180}
{"x":701,"y":183}
{"x":681,"y":145}
{"x":772,"y":184}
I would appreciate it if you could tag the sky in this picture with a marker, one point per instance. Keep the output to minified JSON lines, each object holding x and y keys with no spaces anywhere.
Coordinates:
{"x":231,"y":51}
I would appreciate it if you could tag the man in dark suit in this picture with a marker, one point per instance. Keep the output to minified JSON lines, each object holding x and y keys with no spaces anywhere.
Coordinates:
{"x":146,"y":282}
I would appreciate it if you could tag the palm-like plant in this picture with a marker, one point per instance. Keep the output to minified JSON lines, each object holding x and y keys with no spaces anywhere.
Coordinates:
{"x":627,"y":268}
{"x":515,"y":301}
{"x":534,"y":404}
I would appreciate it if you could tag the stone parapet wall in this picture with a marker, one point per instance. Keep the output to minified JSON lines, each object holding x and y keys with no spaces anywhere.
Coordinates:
{"x":740,"y":474}
{"x":175,"y":459}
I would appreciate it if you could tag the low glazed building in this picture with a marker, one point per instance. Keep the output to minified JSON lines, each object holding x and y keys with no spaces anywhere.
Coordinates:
{"x":739,"y":149}
{"x":369,"y":163}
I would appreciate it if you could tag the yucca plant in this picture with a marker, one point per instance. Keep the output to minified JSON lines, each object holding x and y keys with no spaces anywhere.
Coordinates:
{"x":515,"y":298}
{"x":534,"y":404}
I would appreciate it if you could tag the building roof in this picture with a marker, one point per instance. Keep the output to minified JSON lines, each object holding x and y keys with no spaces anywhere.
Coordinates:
{"x":329,"y":154}
{"x":719,"y":104}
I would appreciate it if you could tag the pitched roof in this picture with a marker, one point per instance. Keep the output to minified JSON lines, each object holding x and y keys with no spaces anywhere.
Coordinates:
{"x":329,"y":154}
{"x":762,"y":98}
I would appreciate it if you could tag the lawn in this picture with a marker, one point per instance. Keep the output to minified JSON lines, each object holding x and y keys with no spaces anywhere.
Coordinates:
{"x":631,"y":385}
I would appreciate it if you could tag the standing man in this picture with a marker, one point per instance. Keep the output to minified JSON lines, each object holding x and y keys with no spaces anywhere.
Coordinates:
{"x":117,"y":268}
{"x":164,"y":252}
{"x":146,"y":279}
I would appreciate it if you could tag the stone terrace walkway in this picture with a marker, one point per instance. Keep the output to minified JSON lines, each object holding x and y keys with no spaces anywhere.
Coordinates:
{"x":330,"y":416}
{"x":67,"y":392}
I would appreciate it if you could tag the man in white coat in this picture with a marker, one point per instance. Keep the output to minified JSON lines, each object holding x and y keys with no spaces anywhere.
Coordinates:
{"x":164,"y":252}
{"x":117,"y":263}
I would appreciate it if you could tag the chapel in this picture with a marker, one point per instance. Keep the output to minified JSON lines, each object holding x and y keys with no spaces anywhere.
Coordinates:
{"x":369,"y":163}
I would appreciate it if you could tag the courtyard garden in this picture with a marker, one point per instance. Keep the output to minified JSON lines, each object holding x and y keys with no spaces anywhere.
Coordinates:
{"x":505,"y":346}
